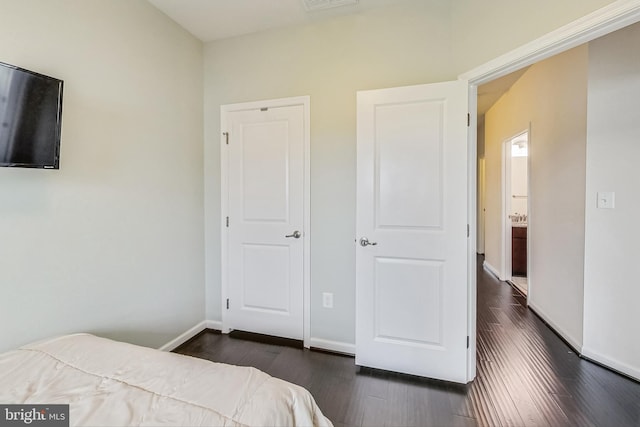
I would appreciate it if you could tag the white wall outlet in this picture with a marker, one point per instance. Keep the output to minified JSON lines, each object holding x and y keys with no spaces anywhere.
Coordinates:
{"x":327,"y":300}
{"x":606,"y":200}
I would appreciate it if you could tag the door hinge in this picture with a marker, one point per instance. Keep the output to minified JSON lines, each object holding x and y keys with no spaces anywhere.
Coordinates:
{"x":467,"y":335}
{"x":227,"y":222}
{"x":228,"y":309}
{"x":468,"y":119}
{"x":264,"y":109}
{"x":467,"y":230}
{"x":226,"y":136}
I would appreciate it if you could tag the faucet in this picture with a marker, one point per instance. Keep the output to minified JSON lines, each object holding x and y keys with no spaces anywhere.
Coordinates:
{"x":518,"y":217}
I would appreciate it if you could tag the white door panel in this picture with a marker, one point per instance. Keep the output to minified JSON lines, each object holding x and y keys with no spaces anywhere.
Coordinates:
{"x":411,"y":313}
{"x":266,"y":264}
{"x":408,"y":156}
{"x":264,"y":157}
{"x":266,"y":191}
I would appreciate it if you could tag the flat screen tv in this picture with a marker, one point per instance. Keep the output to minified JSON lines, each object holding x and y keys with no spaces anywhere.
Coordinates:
{"x":30,"y":118}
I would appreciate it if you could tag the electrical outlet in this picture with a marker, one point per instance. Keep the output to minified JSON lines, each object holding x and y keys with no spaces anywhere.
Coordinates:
{"x":606,"y":200}
{"x":327,"y":300}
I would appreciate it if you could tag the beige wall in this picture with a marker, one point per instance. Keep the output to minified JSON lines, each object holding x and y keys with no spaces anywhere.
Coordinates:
{"x":112,"y":243}
{"x":612,"y":235}
{"x":484,"y":30}
{"x":550,"y":98}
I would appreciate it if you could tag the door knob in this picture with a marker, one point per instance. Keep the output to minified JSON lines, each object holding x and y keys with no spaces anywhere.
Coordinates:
{"x":365,"y":242}
{"x":296,"y":235}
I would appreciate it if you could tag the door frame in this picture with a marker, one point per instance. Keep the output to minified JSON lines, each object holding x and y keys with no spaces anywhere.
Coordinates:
{"x":603,"y":21}
{"x":225,"y":110}
{"x":480,"y":236}
{"x":506,"y":265}
{"x":507,"y":165}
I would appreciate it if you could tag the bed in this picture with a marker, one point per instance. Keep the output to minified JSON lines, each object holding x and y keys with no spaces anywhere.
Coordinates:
{"x":110,"y":383}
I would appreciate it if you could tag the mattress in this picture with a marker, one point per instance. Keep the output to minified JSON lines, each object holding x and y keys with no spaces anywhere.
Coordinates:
{"x":110,"y":383}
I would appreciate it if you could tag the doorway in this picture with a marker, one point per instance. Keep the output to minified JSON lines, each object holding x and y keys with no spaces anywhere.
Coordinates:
{"x":515,"y":195}
{"x":265,"y":212}
{"x":601,"y":22}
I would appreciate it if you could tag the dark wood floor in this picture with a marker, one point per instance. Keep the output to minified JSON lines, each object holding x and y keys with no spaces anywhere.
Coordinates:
{"x":526,"y":377}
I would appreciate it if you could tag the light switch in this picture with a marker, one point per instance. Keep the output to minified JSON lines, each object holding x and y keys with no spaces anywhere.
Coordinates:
{"x":327,"y":300}
{"x":606,"y":200}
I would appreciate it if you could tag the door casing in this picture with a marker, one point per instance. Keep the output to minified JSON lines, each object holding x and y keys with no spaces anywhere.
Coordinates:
{"x":225,"y":110}
{"x":507,"y":249}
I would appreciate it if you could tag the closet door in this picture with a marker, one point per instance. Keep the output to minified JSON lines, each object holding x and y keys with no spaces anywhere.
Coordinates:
{"x":265,"y":221}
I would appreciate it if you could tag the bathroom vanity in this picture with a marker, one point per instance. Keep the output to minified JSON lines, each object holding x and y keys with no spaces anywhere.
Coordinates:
{"x":519,"y":250}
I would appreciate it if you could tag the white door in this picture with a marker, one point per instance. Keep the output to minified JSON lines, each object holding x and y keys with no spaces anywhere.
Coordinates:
{"x":265,"y":228}
{"x":411,"y":246}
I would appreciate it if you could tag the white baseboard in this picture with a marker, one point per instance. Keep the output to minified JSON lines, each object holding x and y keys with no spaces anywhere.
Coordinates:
{"x":491,"y":269}
{"x":186,"y":336}
{"x":213,"y":324}
{"x":624,"y":368}
{"x":337,"y":346}
{"x":573,"y":342}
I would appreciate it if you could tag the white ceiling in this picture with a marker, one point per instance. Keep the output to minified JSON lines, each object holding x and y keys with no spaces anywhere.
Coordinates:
{"x":211,"y":20}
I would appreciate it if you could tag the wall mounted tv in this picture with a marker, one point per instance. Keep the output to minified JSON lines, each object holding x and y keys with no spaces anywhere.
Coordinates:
{"x":30,"y":118}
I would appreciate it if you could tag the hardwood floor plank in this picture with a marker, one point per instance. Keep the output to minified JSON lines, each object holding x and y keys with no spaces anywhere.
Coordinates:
{"x":374,"y":383}
{"x":528,"y":392}
{"x":499,"y":396}
{"x":619,"y":388}
{"x":598,"y":403}
{"x":260,"y":358}
{"x":575,"y":416}
{"x":335,"y":395}
{"x":418,"y":404}
{"x":398,"y":404}
{"x":375,"y":412}
{"x":480,"y":404}
{"x":292,"y":365}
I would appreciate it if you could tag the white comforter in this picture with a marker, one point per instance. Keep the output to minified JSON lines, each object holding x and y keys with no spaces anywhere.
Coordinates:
{"x":109,"y":383}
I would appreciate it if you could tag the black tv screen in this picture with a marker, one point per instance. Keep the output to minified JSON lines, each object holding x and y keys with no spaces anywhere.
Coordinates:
{"x":30,"y":118}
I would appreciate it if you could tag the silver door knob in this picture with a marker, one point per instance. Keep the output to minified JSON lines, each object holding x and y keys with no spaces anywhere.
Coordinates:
{"x":296,"y":235}
{"x":365,"y":242}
